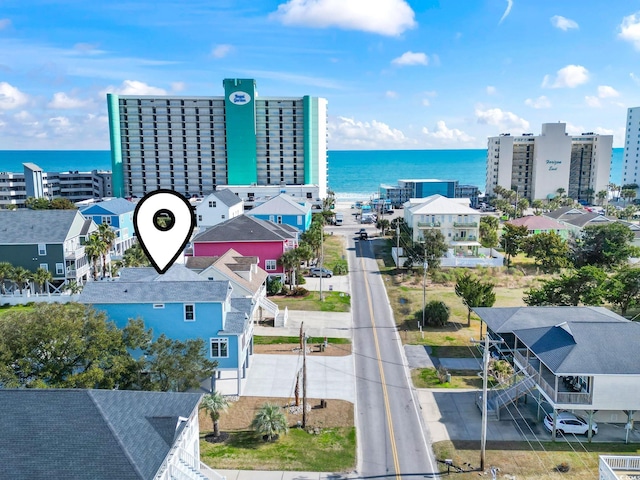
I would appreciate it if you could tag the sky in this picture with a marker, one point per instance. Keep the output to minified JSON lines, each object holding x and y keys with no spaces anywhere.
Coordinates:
{"x":397,"y":74}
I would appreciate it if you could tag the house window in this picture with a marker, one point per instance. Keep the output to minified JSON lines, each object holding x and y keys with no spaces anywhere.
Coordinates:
{"x":42,"y":249}
{"x":44,"y":266}
{"x":189,"y":312}
{"x":106,"y":219}
{"x":279,"y":219}
{"x":199,"y":218}
{"x":309,"y":195}
{"x":158,"y":305}
{"x":299,"y":219}
{"x":222,"y":216}
{"x":270,"y":265}
{"x":219,"y":347}
{"x":212,"y":204}
{"x":271,"y":218}
{"x":59,"y":268}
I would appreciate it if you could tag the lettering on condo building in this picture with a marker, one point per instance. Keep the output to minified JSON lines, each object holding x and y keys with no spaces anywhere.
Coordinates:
{"x":553,"y":164}
{"x":239,"y":98}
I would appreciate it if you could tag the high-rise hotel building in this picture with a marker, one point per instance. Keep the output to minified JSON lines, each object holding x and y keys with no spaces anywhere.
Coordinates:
{"x":538,"y":165}
{"x":630,"y":172}
{"x":256,"y":146}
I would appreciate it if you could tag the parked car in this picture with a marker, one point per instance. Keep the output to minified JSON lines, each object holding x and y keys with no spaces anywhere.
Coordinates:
{"x":317,"y":272}
{"x":569,"y":423}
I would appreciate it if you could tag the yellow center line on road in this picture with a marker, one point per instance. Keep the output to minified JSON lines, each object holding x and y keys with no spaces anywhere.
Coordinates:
{"x":387,"y":408}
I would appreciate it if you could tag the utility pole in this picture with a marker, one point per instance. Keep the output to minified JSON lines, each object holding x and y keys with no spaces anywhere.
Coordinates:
{"x":304,"y":382}
{"x":425,"y":266}
{"x":321,"y":259}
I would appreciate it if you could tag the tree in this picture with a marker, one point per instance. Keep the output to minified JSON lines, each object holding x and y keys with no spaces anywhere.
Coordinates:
{"x":622,"y":289}
{"x":436,"y":313}
{"x":583,"y":286}
{"x":33,"y":203}
{"x":601,"y":196}
{"x":270,"y":422}
{"x":20,"y":275}
{"x":523,"y":204}
{"x":215,"y":404}
{"x":561,"y":191}
{"x":107,"y":236}
{"x":134,"y":256}
{"x":605,"y":245}
{"x":95,"y":248}
{"x":501,"y":370}
{"x":41,"y":277}
{"x":550,"y":251}
{"x":434,"y":247}
{"x":62,"y":204}
{"x":628,"y":194}
{"x":511,"y":239}
{"x":474,"y":293}
{"x":313,"y":236}
{"x":289,"y":261}
{"x":489,"y":232}
{"x":274,"y":285}
{"x":383,"y":224}
{"x":5,"y":273}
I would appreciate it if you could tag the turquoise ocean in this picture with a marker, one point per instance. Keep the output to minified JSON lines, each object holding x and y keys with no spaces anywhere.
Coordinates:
{"x":353,"y":174}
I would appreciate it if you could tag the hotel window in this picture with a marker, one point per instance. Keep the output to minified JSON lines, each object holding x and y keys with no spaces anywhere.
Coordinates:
{"x":189,"y":312}
{"x":59,"y":268}
{"x":270,"y":265}
{"x":219,"y":348}
{"x":42,"y":249}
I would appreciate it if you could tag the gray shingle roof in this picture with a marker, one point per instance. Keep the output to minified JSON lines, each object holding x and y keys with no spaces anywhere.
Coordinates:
{"x":177,"y":272}
{"x":588,"y":348}
{"x":242,"y":304}
{"x":198,"y":291}
{"x":235,"y":323}
{"x":281,"y":204}
{"x":35,"y":226}
{"x":246,"y":228}
{"x":508,"y":319}
{"x":116,"y":206}
{"x":80,"y":434}
{"x":227,"y":197}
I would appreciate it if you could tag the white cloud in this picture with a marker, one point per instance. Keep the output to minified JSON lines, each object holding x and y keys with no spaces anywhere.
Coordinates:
{"x":4,"y":23}
{"x":62,"y":101}
{"x":491,"y":90}
{"x":221,"y":51}
{"x":630,"y":29}
{"x":563,"y":23}
{"x":177,"y":86}
{"x":635,"y":78}
{"x":507,"y":11}
{"x":135,"y":87}
{"x":449,"y":135}
{"x":411,"y":58}
{"x":384,"y":17}
{"x":391,"y":94}
{"x":501,"y":119}
{"x":592,"y":101}
{"x":11,"y":97}
{"x":605,"y":91}
{"x":570,"y":77}
{"x":540,"y":102}
{"x":87,"y":49}
{"x":426,"y":102}
{"x":345,"y":133}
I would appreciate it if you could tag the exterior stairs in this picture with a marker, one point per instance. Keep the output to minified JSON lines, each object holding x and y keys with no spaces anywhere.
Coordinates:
{"x":501,"y":396}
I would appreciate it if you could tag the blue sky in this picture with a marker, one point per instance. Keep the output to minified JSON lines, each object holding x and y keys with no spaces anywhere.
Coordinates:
{"x":398,"y":74}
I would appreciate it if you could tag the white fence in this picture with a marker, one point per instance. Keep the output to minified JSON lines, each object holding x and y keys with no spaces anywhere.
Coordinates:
{"x":27,"y":297}
{"x":487,"y":258}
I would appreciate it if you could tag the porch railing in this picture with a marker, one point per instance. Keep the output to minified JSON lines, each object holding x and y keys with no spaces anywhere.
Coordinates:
{"x":610,"y":463}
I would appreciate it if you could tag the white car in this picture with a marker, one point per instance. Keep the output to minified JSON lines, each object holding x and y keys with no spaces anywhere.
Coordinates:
{"x":569,"y":423}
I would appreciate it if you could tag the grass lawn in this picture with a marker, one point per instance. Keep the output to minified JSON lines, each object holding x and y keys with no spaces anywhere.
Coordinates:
{"x":526,"y":461}
{"x":263,"y":340}
{"x":4,"y":309}
{"x":334,"y":250}
{"x":332,"y":450}
{"x":333,"y":302}
{"x":428,"y":378}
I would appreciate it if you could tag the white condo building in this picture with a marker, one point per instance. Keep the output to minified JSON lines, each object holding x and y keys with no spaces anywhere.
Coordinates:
{"x":630,"y":172}
{"x":538,"y":165}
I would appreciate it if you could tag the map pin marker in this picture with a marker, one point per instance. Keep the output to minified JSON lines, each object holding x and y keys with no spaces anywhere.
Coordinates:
{"x":163,"y":221}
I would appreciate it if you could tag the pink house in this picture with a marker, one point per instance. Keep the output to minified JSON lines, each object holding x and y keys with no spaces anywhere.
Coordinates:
{"x":248,"y":236}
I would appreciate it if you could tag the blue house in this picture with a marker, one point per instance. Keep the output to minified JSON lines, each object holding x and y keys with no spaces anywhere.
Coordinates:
{"x":181,"y":305}
{"x":118,"y":213}
{"x":283,"y":209}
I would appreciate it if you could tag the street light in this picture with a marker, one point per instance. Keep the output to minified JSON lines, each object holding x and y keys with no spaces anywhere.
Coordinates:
{"x":425,"y":266}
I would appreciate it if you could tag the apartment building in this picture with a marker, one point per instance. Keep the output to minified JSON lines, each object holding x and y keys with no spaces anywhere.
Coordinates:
{"x":405,"y":190}
{"x":194,"y":144}
{"x":632,"y":148}
{"x":538,"y":165}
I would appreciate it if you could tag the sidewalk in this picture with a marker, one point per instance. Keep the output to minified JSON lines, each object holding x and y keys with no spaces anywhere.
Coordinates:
{"x":268,"y":475}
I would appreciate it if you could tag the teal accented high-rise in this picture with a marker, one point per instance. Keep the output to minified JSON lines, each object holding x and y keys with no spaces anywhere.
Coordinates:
{"x":194,"y":144}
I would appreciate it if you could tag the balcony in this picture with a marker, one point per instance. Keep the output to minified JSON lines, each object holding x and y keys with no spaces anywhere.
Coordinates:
{"x":547,"y":382}
{"x":466,"y":238}
{"x":615,"y":467}
{"x":465,"y":224}
{"x":74,"y":254}
{"x":428,"y":224}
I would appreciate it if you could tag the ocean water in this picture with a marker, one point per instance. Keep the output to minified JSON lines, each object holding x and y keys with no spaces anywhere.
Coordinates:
{"x":353,"y":174}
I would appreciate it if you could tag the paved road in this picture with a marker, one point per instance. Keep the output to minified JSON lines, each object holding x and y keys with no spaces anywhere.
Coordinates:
{"x":391,"y":439}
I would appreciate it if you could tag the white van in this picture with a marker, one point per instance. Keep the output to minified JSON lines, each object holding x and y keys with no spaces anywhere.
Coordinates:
{"x":339,"y":218}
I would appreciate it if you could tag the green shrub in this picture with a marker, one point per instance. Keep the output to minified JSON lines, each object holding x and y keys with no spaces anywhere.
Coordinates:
{"x":341,"y":267}
{"x":299,"y":292}
{"x":436,"y":313}
{"x":274,"y":286}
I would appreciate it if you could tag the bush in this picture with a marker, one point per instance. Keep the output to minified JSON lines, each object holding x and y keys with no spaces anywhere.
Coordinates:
{"x":274,"y":286}
{"x":341,"y":268}
{"x":436,"y":313}
{"x":299,"y":292}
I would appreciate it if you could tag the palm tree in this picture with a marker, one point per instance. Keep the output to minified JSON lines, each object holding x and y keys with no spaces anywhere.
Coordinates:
{"x":95,"y":248}
{"x":20,"y":276}
{"x":134,"y":256}
{"x":270,"y":421}
{"x":215,"y":404}
{"x":289,"y":260}
{"x":601,"y":196}
{"x":561,"y":191}
{"x":5,"y":273}
{"x":108,"y":237}
{"x":41,"y":277}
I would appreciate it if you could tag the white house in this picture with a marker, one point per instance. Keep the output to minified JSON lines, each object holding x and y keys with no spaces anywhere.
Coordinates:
{"x":217,"y":207}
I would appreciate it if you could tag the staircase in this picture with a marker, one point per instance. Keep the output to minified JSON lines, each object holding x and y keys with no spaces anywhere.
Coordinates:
{"x":269,"y":306}
{"x":499,"y":397}
{"x":281,"y":319}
